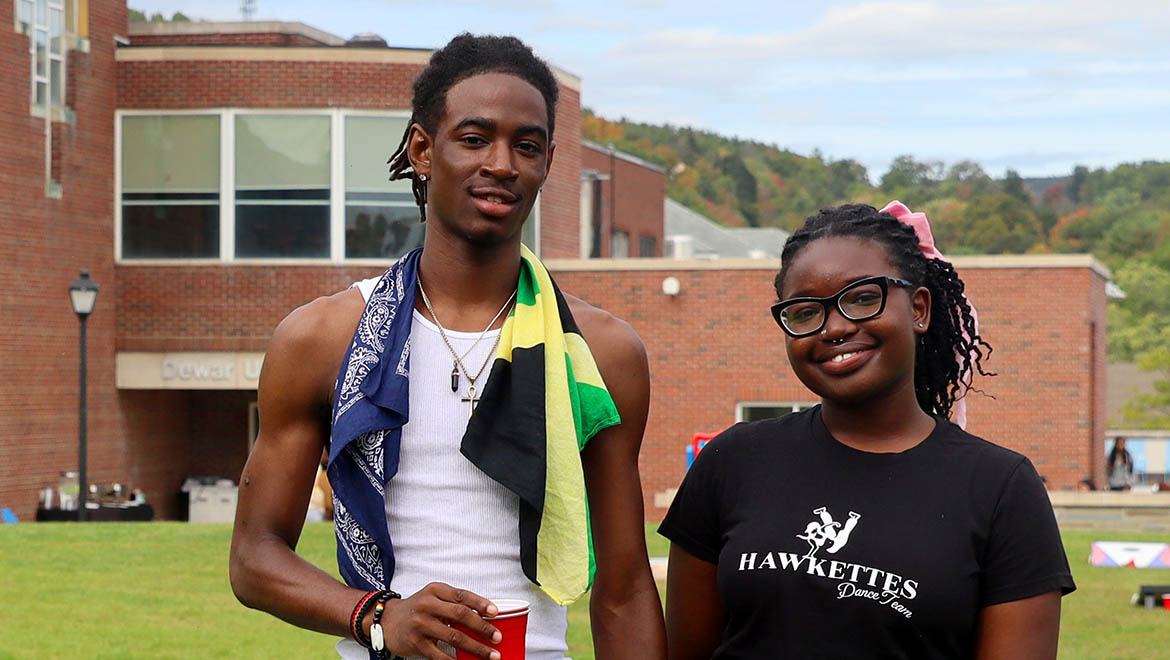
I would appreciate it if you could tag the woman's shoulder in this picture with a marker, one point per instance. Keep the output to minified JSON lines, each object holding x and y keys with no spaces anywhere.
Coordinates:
{"x":976,"y":450}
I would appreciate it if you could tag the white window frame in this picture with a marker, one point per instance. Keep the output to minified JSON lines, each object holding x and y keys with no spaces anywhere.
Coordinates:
{"x":227,"y":190}
{"x":796,"y":406}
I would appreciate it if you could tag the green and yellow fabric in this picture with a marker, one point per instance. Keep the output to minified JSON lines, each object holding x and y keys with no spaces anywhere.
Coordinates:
{"x":543,"y":402}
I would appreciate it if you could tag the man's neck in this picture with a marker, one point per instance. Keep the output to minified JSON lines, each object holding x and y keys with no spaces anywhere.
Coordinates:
{"x":467,"y":284}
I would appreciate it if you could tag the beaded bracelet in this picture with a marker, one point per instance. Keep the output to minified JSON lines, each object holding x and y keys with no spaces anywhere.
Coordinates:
{"x":359,"y":613}
{"x":377,"y":637}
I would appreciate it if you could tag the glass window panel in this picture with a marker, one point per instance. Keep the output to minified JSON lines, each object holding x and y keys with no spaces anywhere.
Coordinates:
{"x":56,"y":27}
{"x":170,"y":154}
{"x":619,"y":245}
{"x":42,"y":52}
{"x":41,"y":91}
{"x":647,"y":246}
{"x":42,"y":8}
{"x":24,"y":15}
{"x":275,"y":152}
{"x":756,"y":413}
{"x":282,"y":231}
{"x":170,"y":187}
{"x":57,"y":81}
{"x":377,"y":231}
{"x":170,"y":231}
{"x":369,"y":143}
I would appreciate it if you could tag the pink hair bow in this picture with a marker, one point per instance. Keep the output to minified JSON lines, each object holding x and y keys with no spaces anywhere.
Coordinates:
{"x":921,"y":227}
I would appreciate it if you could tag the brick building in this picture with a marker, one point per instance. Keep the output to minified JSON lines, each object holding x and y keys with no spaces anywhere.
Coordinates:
{"x":621,"y":204}
{"x":212,"y":177}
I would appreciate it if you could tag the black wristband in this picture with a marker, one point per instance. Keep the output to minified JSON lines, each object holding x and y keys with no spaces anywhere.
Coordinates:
{"x":360,"y":615}
{"x":377,"y":637}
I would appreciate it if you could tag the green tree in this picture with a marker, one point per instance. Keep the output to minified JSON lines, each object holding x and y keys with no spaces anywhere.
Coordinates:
{"x":997,"y":224}
{"x":1075,"y":187}
{"x":1151,"y":411}
{"x":1013,"y":184}
{"x":1139,"y":323}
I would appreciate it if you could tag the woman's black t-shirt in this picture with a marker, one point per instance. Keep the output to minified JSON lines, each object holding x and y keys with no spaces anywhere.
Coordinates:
{"x":824,"y":551}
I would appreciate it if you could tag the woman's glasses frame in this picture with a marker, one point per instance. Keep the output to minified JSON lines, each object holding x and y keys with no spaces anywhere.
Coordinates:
{"x":834,"y":302}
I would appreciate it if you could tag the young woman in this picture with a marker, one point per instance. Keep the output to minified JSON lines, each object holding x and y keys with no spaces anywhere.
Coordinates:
{"x":869,"y":526}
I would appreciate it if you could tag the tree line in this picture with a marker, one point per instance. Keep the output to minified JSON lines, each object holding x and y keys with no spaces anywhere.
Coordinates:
{"x":1121,"y":215}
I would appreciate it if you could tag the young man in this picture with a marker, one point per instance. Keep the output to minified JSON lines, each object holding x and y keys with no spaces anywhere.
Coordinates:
{"x":449,"y":507}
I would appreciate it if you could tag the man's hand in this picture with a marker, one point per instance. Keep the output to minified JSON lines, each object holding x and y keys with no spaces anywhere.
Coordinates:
{"x":414,"y":626}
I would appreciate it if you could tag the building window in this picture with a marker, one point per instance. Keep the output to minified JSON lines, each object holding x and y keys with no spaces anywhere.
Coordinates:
{"x":170,"y":186}
{"x":282,"y":186}
{"x":647,"y":246}
{"x":44,"y":23}
{"x":381,"y":217}
{"x":753,"y":411}
{"x":619,"y":244}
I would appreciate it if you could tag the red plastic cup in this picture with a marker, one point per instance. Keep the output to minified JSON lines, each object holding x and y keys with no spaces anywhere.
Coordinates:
{"x":511,"y":621}
{"x":1166,"y":601}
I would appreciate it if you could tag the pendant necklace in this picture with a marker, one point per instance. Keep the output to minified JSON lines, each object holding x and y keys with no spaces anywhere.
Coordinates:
{"x":457,"y":366}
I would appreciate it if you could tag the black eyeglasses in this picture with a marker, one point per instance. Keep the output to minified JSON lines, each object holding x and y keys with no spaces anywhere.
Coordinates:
{"x":859,"y":301}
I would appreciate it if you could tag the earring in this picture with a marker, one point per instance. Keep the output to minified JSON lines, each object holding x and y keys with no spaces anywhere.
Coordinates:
{"x":921,"y":324}
{"x":422,"y":178}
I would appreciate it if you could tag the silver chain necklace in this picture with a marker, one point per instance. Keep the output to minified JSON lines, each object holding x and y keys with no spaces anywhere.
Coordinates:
{"x":471,"y":400}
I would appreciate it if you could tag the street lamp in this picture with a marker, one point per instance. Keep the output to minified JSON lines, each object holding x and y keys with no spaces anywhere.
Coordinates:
{"x":82,"y":295}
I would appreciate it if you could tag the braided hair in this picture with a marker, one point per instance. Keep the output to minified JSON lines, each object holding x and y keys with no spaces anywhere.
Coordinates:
{"x":951,"y":348}
{"x":465,"y":56}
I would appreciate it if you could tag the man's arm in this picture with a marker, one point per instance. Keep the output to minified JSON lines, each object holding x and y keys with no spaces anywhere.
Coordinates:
{"x":296,"y":391}
{"x":625,"y":610}
{"x":266,"y":573}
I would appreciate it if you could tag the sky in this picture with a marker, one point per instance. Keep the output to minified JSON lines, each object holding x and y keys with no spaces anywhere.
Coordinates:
{"x":1033,"y":85}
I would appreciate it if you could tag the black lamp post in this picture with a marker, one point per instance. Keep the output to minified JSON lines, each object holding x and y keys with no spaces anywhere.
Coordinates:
{"x":82,"y":294}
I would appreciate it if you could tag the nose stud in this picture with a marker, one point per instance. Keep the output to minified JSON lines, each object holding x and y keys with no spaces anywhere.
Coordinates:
{"x":824,"y":332}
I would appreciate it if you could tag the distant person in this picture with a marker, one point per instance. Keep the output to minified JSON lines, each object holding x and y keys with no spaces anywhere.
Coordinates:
{"x":321,"y":499}
{"x":1120,"y":466}
{"x":1086,"y":484}
{"x":869,"y":526}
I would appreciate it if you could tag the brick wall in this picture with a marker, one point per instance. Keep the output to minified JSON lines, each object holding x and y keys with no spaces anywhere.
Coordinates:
{"x":560,"y":201}
{"x":191,"y":84}
{"x":44,"y":242}
{"x":640,"y":191}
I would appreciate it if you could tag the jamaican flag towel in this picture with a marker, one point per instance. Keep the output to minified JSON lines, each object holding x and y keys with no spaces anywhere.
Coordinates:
{"x":543,"y":401}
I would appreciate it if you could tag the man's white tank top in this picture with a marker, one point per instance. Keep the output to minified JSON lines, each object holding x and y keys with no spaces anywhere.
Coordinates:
{"x":449,"y":522}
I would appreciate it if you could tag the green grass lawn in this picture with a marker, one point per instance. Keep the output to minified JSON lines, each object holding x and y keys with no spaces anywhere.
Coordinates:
{"x":160,"y":590}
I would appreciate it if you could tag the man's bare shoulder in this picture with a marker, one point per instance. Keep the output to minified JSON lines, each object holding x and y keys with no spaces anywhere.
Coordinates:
{"x":311,"y":341}
{"x":611,"y":339}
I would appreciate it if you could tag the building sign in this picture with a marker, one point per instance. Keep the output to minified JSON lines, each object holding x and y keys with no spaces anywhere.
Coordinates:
{"x":188,"y":371}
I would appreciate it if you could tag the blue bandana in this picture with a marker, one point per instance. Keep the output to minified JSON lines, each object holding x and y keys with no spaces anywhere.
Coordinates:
{"x":370,"y":407}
